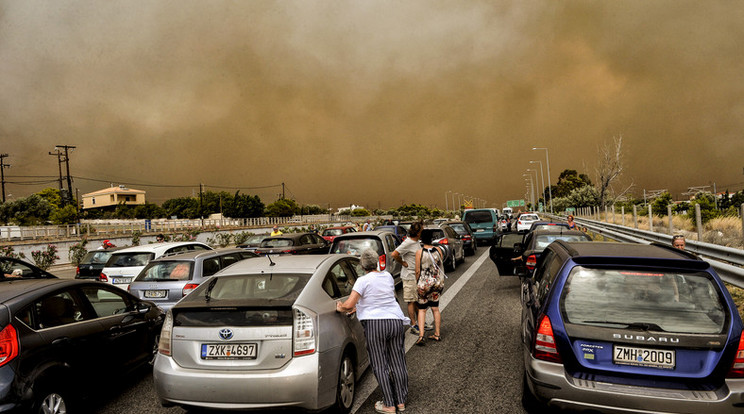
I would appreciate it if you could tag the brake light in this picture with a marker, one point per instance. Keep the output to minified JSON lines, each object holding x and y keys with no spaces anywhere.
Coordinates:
{"x":737,"y":368}
{"x":77,"y":271}
{"x":289,"y":251}
{"x":544,"y":347}
{"x":304,"y":333}
{"x":188,"y":288}
{"x":382,"y":260}
{"x":102,"y":277}
{"x":443,"y":241}
{"x":164,"y":345}
{"x":531,"y":262}
{"x":8,"y":344}
{"x":467,"y":237}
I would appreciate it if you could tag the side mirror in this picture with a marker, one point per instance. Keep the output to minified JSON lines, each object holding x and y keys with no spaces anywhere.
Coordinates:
{"x":143,"y":308}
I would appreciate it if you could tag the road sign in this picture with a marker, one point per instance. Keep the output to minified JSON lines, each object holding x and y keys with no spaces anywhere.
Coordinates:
{"x":515,"y":203}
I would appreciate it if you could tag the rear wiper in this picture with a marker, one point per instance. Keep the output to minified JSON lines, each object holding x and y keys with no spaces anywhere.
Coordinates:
{"x":646,"y":326}
{"x":209,"y":289}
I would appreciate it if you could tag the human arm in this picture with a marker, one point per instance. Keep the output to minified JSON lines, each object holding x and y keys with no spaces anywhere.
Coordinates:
{"x":418,"y":264}
{"x":350,"y":304}
{"x":398,"y":258}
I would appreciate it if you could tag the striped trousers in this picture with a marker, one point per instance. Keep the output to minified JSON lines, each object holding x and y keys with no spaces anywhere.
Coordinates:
{"x":387,"y":355}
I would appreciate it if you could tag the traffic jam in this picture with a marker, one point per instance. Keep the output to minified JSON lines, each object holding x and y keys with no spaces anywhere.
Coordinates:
{"x":602,"y":326}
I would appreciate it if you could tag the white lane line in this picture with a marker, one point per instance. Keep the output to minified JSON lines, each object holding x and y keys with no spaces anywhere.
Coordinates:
{"x":369,"y":382}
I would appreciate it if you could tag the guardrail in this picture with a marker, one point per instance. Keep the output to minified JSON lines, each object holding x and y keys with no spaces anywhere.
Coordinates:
{"x":727,"y":261}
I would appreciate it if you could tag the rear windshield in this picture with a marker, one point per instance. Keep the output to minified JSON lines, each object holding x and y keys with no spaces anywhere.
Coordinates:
{"x":284,"y":287}
{"x":543,"y":240}
{"x":166,"y":271}
{"x":528,"y":217}
{"x":333,"y":232}
{"x":356,"y":246}
{"x":459,"y":228}
{"x":478,"y":217}
{"x":234,"y":317}
{"x":129,"y":259}
{"x":96,"y":257}
{"x":276,"y":243}
{"x":432,"y":234}
{"x":651,"y":300}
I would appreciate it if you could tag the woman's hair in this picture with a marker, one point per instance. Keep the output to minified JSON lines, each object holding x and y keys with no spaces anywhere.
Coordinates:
{"x":415,"y":228}
{"x":427,"y":237}
{"x":368,"y":259}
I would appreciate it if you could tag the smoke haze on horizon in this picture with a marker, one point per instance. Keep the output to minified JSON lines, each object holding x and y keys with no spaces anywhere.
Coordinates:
{"x":373,"y":103}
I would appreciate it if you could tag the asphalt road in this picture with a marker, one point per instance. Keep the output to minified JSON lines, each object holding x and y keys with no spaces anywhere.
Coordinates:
{"x":476,"y":368}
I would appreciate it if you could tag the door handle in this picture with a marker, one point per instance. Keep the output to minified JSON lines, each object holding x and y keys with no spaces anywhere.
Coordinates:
{"x":61,"y":341}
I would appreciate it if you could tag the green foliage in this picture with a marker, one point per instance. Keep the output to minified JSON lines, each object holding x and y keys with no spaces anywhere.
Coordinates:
{"x":52,"y":196}
{"x":283,"y":207}
{"x":221,"y":239}
{"x":312,"y":209}
{"x":586,"y":196}
{"x":659,"y":205}
{"x":44,"y":259}
{"x":9,"y":251}
{"x":568,"y":181}
{"x":29,"y":211}
{"x":77,"y":251}
{"x":241,"y":237}
{"x":136,"y":236}
{"x":182,"y":207}
{"x":189,"y":235}
{"x":708,"y":209}
{"x":148,"y":211}
{"x":360,"y":212}
{"x":65,"y":215}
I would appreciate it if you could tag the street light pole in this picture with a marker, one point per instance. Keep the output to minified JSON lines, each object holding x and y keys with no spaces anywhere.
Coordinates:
{"x":446,"y":201}
{"x":550,"y":191}
{"x":537,"y":195}
{"x":542,"y":179}
{"x":532,"y":188}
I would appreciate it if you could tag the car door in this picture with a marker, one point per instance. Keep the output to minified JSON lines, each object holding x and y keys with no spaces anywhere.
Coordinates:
{"x":320,"y":246}
{"x":391,"y":242}
{"x":456,"y":241}
{"x":14,"y":268}
{"x":127,"y":337}
{"x":502,"y":252}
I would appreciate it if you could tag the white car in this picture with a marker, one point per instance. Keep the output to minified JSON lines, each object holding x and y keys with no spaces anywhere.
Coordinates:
{"x":524,"y":222}
{"x":125,"y":264}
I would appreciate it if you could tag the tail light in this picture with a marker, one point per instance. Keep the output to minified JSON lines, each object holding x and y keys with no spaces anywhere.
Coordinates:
{"x":737,"y":368}
{"x":8,"y":344}
{"x":304,"y":333}
{"x":164,"y":346}
{"x":531,"y":262}
{"x":544,"y":347}
{"x":188,"y":288}
{"x":102,"y":277}
{"x":443,"y":241}
{"x":289,"y":251}
{"x":467,"y":237}
{"x":382,"y":260}
{"x":77,"y":271}
{"x":496,"y":227}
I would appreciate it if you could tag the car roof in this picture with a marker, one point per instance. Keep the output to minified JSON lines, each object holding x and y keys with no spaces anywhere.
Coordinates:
{"x":557,"y":230}
{"x":363,"y":234}
{"x":629,"y":254}
{"x":340,"y":227}
{"x":286,"y":236}
{"x":157,"y":248}
{"x":15,"y":288}
{"x":281,"y":264}
{"x":198,"y":254}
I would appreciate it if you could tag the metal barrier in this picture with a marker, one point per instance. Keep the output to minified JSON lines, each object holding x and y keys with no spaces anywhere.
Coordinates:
{"x":727,"y":261}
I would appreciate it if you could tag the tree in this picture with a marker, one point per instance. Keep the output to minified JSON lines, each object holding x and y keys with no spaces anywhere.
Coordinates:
{"x":659,"y":206}
{"x":148,"y":211}
{"x":283,"y":207}
{"x":28,"y":211}
{"x":568,"y":181}
{"x":244,"y":205}
{"x":708,"y":209}
{"x":610,"y":167}
{"x":65,"y":215}
{"x":52,"y":196}
{"x":183,"y":207}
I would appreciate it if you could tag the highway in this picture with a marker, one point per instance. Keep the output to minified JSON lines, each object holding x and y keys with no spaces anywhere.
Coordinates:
{"x":476,"y":368}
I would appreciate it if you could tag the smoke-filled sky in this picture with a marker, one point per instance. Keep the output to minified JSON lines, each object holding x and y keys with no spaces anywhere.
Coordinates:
{"x":375,"y":103}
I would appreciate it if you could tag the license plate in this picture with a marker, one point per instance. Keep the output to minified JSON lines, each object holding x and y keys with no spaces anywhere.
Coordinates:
{"x":643,"y":357}
{"x":156,"y":293}
{"x":120,"y":280}
{"x":229,"y":351}
{"x":478,"y":230}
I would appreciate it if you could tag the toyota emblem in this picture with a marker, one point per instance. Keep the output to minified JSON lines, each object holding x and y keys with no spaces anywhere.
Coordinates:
{"x":226,"y":333}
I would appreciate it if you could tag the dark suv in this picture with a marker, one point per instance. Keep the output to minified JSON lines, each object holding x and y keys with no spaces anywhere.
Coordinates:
{"x":62,"y":339}
{"x":613,"y":327}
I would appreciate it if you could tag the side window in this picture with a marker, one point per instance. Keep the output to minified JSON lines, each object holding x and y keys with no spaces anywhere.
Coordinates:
{"x":390,"y":242}
{"x":179,"y":249}
{"x":231,"y":258}
{"x":107,"y":302}
{"x":356,"y":265}
{"x":12,"y":268}
{"x":343,"y":277}
{"x":56,"y":310}
{"x":329,"y":285}
{"x":210,"y":266}
{"x":306,"y":239}
{"x":196,"y":247}
{"x":318,"y":239}
{"x":549,"y":268}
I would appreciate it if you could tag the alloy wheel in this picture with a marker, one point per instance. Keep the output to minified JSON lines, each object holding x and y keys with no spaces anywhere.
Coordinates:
{"x":53,"y":403}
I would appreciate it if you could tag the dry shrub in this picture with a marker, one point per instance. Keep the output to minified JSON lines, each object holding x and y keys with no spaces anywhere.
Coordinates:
{"x":738,"y":295}
{"x":725,"y":231}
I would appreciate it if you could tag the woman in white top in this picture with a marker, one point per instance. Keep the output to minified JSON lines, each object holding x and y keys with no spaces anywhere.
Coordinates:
{"x":373,"y":299}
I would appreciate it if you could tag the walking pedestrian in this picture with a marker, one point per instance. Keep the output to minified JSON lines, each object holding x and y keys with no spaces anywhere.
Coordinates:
{"x":373,"y":299}
{"x":405,"y":254}
{"x":430,"y":284}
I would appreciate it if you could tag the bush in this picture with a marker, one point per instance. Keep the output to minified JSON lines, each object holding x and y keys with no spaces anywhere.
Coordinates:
{"x":136,"y":235}
{"x":10,"y":252}
{"x":240,"y":238}
{"x":44,"y":259}
{"x":77,"y":251}
{"x":221,"y":239}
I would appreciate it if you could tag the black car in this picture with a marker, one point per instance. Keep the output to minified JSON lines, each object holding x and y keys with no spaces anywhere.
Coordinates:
{"x":445,"y":236}
{"x":506,"y":247}
{"x":293,"y":243}
{"x":536,"y":241}
{"x":13,"y":269}
{"x":61,"y":340}
{"x":93,"y":262}
{"x":466,"y":235}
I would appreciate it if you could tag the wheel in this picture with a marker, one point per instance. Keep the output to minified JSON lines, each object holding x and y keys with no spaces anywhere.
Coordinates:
{"x":51,"y":401}
{"x":452,"y":264}
{"x":346,"y":387}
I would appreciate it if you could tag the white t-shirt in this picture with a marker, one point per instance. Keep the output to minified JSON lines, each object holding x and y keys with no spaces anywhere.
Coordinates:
{"x":377,"y":301}
{"x":407,"y":251}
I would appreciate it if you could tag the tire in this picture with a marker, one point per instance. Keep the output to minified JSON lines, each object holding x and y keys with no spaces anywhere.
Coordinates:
{"x":452,"y":264}
{"x":346,"y":386}
{"x":51,"y":400}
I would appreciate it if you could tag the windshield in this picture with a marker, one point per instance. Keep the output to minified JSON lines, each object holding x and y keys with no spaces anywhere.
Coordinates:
{"x":356,"y":246}
{"x":96,"y":257}
{"x":653,"y":300}
{"x":478,"y":217}
{"x":129,"y":259}
{"x":166,"y":271}
{"x":459,"y":228}
{"x":276,"y":243}
{"x":543,"y":240}
{"x":286,"y":287}
{"x":333,"y":232}
{"x":528,"y":217}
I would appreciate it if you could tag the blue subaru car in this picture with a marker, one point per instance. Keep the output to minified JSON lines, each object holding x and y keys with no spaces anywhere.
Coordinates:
{"x":610,"y":327}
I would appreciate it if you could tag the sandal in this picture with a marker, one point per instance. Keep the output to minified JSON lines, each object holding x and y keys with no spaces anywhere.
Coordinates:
{"x":421,"y":341}
{"x":401,"y":408}
{"x":380,"y":408}
{"x":435,"y":337}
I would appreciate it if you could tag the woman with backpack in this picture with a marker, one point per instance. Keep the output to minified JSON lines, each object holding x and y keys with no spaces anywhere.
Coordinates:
{"x":430,"y":284}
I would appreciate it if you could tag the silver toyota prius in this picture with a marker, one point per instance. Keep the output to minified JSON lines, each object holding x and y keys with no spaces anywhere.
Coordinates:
{"x":264,"y":333}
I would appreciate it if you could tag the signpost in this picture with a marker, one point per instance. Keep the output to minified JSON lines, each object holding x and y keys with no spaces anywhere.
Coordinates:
{"x":515,"y":203}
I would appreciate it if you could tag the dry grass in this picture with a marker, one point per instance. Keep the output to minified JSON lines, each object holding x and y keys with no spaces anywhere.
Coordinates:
{"x":738,"y":295}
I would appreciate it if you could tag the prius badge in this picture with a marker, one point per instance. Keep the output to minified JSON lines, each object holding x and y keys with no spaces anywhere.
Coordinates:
{"x":226,"y":333}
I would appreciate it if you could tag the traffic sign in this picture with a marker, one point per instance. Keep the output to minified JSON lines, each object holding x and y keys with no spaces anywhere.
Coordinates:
{"x":515,"y":203}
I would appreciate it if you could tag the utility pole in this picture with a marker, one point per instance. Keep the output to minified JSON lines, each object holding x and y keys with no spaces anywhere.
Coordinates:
{"x":58,"y":154}
{"x":67,"y":149}
{"x":2,"y":174}
{"x":282,"y":191}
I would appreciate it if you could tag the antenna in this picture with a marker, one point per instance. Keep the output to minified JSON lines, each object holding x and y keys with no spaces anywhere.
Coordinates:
{"x":272,"y":262}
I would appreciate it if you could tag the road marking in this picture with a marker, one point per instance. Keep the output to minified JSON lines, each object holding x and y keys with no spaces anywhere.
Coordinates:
{"x":369,"y":382}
